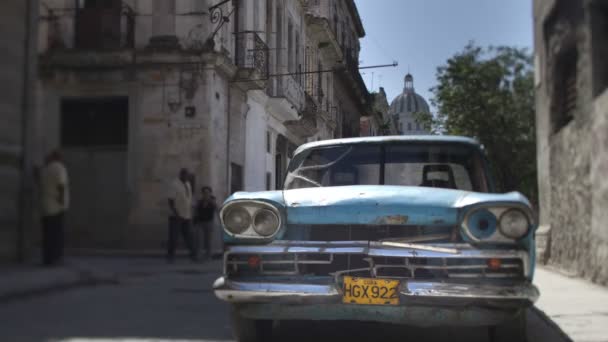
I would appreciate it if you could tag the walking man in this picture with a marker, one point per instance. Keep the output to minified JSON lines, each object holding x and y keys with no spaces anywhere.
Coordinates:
{"x":180,"y":204}
{"x":205,"y":213}
{"x":55,"y":202}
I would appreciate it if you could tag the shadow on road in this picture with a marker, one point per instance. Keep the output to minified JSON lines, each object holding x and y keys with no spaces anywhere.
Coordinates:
{"x":539,"y":329}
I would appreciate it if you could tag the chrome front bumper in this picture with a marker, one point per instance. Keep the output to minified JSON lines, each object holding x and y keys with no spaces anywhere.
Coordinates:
{"x":415,"y":292}
{"x":422,"y":301}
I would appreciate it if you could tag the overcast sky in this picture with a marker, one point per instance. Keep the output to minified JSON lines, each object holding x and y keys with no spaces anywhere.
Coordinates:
{"x":423,"y":34}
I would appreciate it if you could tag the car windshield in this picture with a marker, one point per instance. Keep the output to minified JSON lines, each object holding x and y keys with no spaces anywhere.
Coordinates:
{"x":448,"y":166}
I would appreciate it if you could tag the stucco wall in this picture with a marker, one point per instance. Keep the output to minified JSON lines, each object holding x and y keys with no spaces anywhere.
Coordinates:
{"x":17,"y":213}
{"x":573,"y":159}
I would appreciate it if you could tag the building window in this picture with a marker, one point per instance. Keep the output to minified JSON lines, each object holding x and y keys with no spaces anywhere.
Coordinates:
{"x":297,"y":59}
{"x":400,"y":127}
{"x":319,"y":82}
{"x":290,"y":64}
{"x":417,"y":126}
{"x":236,"y":178}
{"x":564,"y":96}
{"x":268,"y":142}
{"x":279,"y":38}
{"x":409,"y":126}
{"x":94,"y":122}
{"x":599,"y":46}
{"x":268,"y":181}
{"x":256,"y":15}
{"x":100,"y":25}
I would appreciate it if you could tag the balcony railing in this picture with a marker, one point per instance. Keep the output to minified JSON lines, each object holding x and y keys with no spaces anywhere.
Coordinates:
{"x":306,"y":126}
{"x":251,"y":52}
{"x":111,"y":27}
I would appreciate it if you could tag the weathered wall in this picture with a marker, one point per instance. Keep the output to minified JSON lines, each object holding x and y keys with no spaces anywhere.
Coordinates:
{"x":571,"y":158}
{"x":18,"y":67}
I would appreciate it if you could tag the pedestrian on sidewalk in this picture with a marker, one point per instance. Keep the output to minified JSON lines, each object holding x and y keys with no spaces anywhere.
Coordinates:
{"x":55,"y":198}
{"x":205,"y":214}
{"x":180,"y":204}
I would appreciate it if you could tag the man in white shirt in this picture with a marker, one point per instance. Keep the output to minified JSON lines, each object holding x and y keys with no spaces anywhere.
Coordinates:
{"x":180,"y":204}
{"x":55,"y":202}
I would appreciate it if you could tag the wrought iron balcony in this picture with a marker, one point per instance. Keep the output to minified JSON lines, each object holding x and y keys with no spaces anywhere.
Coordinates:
{"x":251,"y":57}
{"x":306,"y":126}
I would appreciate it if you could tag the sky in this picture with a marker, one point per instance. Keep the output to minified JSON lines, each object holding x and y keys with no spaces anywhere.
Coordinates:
{"x":422,"y":34}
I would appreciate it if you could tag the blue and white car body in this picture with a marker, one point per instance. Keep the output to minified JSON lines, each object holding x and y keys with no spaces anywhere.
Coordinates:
{"x":459,"y":256}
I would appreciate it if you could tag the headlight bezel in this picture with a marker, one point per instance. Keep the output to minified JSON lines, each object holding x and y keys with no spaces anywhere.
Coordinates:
{"x":263,"y":211}
{"x":503,"y":215}
{"x":231,"y":209}
{"x":252,"y":207}
{"x":498,"y":210}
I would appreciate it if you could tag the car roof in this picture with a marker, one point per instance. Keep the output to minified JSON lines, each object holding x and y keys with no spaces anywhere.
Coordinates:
{"x":391,"y":138}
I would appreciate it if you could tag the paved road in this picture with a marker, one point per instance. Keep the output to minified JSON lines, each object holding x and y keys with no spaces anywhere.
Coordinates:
{"x":177,"y":304}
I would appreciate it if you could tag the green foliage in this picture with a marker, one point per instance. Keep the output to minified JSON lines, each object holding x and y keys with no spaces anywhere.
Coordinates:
{"x":488,"y":94}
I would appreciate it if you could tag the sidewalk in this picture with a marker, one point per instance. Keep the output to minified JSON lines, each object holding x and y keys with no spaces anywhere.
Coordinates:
{"x":579,"y":307}
{"x":18,"y":281}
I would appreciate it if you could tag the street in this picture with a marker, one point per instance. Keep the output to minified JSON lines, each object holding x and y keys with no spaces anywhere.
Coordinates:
{"x":152,"y":301}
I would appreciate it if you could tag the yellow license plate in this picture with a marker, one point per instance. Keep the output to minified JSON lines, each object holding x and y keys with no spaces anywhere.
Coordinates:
{"x":370,"y":291}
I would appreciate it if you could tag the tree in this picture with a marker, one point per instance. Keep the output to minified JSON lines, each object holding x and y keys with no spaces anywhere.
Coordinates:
{"x":488,"y":94}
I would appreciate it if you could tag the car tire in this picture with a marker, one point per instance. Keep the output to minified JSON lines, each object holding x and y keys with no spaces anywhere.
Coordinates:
{"x":250,"y":330}
{"x":512,"y":330}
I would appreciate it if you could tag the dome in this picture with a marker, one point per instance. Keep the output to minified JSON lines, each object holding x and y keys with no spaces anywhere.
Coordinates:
{"x":407,"y":103}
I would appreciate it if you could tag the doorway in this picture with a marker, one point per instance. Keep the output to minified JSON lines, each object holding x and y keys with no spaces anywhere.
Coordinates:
{"x":94,"y":138}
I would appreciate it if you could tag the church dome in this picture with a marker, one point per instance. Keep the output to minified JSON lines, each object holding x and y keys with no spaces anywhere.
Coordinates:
{"x":403,"y":107}
{"x":409,"y":102}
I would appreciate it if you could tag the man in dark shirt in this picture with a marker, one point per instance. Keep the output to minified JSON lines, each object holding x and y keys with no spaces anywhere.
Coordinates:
{"x":205,"y":213}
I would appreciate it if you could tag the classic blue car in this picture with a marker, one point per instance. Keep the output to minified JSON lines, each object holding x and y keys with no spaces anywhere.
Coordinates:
{"x":403,"y":229}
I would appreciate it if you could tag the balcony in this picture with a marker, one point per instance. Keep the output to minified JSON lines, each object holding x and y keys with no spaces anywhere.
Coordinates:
{"x":286,"y":99}
{"x":251,"y":58}
{"x":322,"y":31}
{"x":306,"y":126}
{"x":108,"y":27}
{"x":348,"y":71}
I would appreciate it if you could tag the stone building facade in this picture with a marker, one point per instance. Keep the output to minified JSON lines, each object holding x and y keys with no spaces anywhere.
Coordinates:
{"x":571,"y":49}
{"x":18,"y":63}
{"x":133,"y":90}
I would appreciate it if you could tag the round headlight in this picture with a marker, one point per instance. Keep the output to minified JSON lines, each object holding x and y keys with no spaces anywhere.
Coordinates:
{"x":237,"y":220}
{"x":482,"y":224}
{"x":514,"y":224}
{"x":265,"y":222}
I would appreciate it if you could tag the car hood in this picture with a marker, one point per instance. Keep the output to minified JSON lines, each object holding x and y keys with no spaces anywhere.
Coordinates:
{"x":383,"y":205}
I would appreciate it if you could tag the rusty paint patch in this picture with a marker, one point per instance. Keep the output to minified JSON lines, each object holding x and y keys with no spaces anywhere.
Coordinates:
{"x":394,"y":219}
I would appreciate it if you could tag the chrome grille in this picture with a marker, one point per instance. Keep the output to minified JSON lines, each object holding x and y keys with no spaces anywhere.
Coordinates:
{"x":362,"y":264}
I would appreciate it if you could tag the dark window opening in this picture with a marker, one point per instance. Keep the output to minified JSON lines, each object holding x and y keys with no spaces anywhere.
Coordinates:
{"x":564,"y":96}
{"x":268,"y":142}
{"x":88,"y":122}
{"x":236,"y":178}
{"x":278,"y":171}
{"x":104,"y":24}
{"x":268,"y":181}
{"x":599,"y":47}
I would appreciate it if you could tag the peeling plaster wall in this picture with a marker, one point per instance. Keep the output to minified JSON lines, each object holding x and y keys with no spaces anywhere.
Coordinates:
{"x":572,"y":161}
